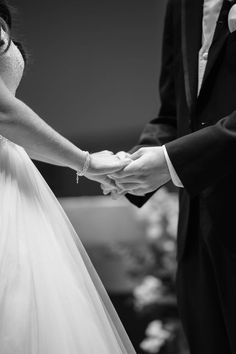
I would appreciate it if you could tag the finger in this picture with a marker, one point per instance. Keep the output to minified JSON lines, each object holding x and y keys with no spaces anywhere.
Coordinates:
{"x":108,"y":190}
{"x":132,"y":170}
{"x":129,"y":179}
{"x":123,"y":155}
{"x":113,"y":192}
{"x":119,"y":166}
{"x":107,"y":152}
{"x":128,"y":186}
{"x":123,"y":174}
{"x":120,"y":175}
{"x":137,"y":154}
{"x":115,"y":195}
{"x":126,"y":161}
{"x":135,"y":167}
{"x":139,"y":192}
{"x":106,"y":186}
{"x":108,"y":182}
{"x":109,"y":187}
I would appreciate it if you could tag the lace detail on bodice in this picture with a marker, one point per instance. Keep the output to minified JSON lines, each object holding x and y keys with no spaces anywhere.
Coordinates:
{"x":11,"y":65}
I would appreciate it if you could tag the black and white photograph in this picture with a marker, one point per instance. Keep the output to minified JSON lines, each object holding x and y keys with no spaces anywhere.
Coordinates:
{"x":117,"y":177}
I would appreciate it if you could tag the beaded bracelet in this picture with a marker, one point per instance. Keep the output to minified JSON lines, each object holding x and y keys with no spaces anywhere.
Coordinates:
{"x":84,"y":168}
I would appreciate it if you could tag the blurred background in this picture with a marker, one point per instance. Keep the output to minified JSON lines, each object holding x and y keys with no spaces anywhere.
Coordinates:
{"x":92,"y":74}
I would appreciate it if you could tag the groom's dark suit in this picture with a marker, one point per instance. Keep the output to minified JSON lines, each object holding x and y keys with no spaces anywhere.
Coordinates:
{"x":200,"y":137}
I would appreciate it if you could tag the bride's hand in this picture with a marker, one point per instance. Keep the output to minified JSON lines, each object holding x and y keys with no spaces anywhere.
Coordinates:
{"x":105,"y":163}
{"x":108,"y":185}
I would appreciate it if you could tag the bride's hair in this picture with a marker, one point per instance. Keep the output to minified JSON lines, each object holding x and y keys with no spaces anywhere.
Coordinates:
{"x":6,"y":25}
{"x":5,"y":13}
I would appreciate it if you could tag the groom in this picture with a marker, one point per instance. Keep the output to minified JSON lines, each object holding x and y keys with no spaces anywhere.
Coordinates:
{"x":193,"y":143}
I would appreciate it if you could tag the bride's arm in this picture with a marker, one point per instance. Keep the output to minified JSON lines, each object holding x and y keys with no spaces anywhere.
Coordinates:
{"x":23,"y":126}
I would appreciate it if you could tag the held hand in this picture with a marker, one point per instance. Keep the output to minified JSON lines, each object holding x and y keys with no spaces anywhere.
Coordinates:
{"x":101,"y":164}
{"x":105,"y":162}
{"x":111,"y":188}
{"x":146,"y":173}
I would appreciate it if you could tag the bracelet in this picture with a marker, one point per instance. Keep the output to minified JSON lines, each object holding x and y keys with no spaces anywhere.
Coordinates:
{"x":84,"y":168}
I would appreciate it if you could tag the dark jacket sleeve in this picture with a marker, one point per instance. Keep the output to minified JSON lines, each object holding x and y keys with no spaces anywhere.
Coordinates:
{"x":163,"y":128}
{"x":203,"y":158}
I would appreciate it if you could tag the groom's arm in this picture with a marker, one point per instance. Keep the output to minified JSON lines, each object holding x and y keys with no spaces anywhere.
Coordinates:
{"x":203,"y":158}
{"x":162,"y":129}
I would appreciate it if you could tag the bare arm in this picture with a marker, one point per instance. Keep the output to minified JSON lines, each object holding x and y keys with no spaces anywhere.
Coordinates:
{"x":23,"y":126}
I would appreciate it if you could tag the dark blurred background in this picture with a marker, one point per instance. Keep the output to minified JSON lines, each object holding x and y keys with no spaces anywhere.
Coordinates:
{"x":92,"y":73}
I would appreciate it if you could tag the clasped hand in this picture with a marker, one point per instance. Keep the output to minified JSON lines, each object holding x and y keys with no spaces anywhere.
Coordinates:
{"x":142,"y":172}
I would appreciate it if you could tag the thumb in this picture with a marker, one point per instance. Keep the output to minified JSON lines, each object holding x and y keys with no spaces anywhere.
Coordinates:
{"x":133,"y":167}
{"x":121,"y":164}
{"x":123,"y":155}
{"x":136,"y":155}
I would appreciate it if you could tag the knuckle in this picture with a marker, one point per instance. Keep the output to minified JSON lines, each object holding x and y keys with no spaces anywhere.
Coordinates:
{"x":141,"y":150}
{"x":142,"y":173}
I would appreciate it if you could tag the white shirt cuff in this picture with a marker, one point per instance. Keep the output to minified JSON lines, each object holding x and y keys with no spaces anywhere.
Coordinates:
{"x":175,"y":178}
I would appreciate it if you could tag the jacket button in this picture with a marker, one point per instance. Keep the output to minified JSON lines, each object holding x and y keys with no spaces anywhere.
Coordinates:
{"x":203,"y":123}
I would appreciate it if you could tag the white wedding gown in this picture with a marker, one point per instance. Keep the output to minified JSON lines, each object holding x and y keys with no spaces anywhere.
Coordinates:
{"x":51,"y":299}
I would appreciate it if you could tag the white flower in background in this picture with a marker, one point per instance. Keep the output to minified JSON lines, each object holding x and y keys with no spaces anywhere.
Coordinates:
{"x":148,"y":292}
{"x":154,"y":231}
{"x":156,"y":329}
{"x":172,"y":226}
{"x":160,"y":212}
{"x":151,"y":345}
{"x":157,"y":335}
{"x":160,"y":218}
{"x":169,"y":246}
{"x":172,"y":217}
{"x":154,"y":217}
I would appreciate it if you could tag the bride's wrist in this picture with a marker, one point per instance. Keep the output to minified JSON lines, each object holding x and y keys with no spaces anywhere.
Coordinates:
{"x":84,"y":166}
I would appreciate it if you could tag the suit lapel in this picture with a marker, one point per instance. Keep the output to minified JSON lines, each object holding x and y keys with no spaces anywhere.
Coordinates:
{"x":192,"y":11}
{"x":220,"y":36}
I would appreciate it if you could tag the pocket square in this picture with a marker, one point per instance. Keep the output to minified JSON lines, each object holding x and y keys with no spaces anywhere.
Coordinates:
{"x":232,"y":19}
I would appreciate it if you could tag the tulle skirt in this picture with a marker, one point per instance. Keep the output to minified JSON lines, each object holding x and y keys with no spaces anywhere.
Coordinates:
{"x":51,"y":299}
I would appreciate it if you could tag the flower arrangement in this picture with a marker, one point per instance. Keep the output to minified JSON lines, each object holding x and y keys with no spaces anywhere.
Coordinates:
{"x":155,"y":294}
{"x":157,"y":335}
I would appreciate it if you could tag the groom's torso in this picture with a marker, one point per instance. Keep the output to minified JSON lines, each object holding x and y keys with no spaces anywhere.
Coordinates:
{"x":217,"y":94}
{"x":211,"y":212}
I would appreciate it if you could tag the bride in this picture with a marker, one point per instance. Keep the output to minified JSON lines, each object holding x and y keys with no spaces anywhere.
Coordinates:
{"x":51,"y":299}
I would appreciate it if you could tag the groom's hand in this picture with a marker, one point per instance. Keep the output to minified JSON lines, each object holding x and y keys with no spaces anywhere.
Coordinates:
{"x":147,"y":172}
{"x":103,"y":180}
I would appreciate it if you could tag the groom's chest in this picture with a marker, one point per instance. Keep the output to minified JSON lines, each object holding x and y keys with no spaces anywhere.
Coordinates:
{"x":219,"y":69}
